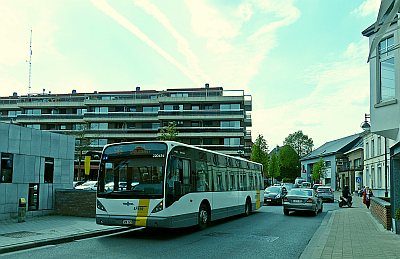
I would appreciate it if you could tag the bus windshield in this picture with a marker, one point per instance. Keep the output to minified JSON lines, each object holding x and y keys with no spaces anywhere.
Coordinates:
{"x":132,"y":175}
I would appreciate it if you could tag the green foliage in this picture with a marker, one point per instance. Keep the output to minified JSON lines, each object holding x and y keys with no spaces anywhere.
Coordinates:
{"x":259,"y":152}
{"x":273,"y":167}
{"x":301,"y":143}
{"x":170,"y":132}
{"x":318,"y":170}
{"x":397,"y":214}
{"x":289,"y":163}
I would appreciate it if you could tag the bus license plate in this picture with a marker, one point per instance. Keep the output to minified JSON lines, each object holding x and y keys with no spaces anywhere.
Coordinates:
{"x":127,"y":222}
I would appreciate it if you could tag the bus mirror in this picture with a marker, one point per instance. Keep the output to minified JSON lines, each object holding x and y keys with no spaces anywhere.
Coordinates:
{"x":177,"y":189}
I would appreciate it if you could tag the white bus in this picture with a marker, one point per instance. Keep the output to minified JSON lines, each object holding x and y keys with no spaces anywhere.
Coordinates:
{"x":168,"y":184}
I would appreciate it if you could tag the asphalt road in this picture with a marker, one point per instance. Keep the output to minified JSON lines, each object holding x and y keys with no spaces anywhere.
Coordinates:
{"x":267,"y":233}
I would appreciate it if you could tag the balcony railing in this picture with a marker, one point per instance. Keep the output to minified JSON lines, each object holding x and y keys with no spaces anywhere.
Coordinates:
{"x":347,"y":168}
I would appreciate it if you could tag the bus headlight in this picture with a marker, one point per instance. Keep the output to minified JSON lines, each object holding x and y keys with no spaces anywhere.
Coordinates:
{"x":158,"y":208}
{"x":100,"y":206}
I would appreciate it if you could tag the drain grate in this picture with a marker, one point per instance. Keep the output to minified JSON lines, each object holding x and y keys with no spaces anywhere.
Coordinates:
{"x":20,"y":234}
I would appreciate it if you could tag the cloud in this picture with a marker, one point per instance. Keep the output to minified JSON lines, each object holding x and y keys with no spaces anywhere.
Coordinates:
{"x":338,"y":102}
{"x":368,"y":7}
{"x":103,"y":6}
{"x":238,"y":38}
{"x":182,"y":42}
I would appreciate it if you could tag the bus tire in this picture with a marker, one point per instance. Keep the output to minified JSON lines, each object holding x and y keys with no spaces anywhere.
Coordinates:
{"x":203,"y":217}
{"x":247,"y":207}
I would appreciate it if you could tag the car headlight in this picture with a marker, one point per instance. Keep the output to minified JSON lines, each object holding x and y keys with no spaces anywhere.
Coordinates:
{"x":158,"y":208}
{"x":100,"y":206}
{"x":278,"y":196}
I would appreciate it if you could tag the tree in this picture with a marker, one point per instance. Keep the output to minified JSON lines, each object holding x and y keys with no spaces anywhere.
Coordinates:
{"x":259,"y":152}
{"x":289,"y":163}
{"x":82,"y":146}
{"x":273,"y":167}
{"x":170,"y":132}
{"x":301,"y":143}
{"x":318,"y":170}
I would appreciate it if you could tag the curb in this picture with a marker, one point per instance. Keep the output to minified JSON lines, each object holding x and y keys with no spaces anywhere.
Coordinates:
{"x":317,"y":243}
{"x":59,"y":240}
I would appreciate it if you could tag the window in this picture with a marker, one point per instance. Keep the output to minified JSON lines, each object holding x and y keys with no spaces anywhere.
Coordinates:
{"x":327,"y":163}
{"x":379,"y":146}
{"x":379,"y":180}
{"x":6,"y":168}
{"x":98,"y":142}
{"x":98,"y":126}
{"x":33,"y":196}
{"x":100,"y":109}
{"x":151,"y":108}
{"x":366,"y":150}
{"x":48,"y":170}
{"x":179,"y":94}
{"x":232,"y":106}
{"x":81,"y":111}
{"x":230,"y":124}
{"x":231,"y":141}
{"x":196,"y":123}
{"x":33,"y":126}
{"x":357,"y":163}
{"x":386,"y":89}
{"x":33,"y":111}
{"x":195,"y":107}
{"x":13,"y":114}
{"x":372,"y":148}
{"x":173,"y":107}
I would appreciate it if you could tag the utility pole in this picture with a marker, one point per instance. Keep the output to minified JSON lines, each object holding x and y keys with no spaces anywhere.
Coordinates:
{"x":386,"y":170}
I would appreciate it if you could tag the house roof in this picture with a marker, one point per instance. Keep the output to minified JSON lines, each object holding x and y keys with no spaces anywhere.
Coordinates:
{"x":358,"y":145}
{"x":335,"y":146}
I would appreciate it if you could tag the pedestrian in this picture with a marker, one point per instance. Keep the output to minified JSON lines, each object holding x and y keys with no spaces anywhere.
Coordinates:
{"x":367,"y":196}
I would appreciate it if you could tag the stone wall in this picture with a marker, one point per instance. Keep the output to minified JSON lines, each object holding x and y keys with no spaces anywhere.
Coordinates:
{"x":380,"y":209}
{"x":75,"y":203}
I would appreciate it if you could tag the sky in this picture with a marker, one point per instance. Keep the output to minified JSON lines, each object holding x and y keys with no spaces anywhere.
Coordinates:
{"x":304,"y":62}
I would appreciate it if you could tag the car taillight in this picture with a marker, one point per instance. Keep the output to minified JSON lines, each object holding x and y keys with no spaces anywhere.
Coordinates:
{"x":310,"y":200}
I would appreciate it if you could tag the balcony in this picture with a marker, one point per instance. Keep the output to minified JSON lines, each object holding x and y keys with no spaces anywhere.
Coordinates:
{"x":49,"y":118}
{"x":347,"y":168}
{"x":121,"y":116}
{"x":200,"y":114}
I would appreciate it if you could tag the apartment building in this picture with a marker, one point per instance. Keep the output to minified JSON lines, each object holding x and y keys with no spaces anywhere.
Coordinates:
{"x":208,"y":117}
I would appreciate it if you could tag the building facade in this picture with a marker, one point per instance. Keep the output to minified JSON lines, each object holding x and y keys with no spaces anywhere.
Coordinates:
{"x":374,"y":174}
{"x":334,"y":154}
{"x":33,"y":165}
{"x":208,"y":117}
{"x":384,"y":56}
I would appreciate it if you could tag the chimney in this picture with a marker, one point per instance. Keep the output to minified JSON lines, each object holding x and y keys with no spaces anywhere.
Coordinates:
{"x":137,"y":88}
{"x":207,"y":85}
{"x":15,"y":94}
{"x":74,"y":91}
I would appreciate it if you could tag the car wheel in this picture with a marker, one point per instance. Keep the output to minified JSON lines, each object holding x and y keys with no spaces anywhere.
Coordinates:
{"x":204,"y":216}
{"x":286,"y":212}
{"x":247,"y":207}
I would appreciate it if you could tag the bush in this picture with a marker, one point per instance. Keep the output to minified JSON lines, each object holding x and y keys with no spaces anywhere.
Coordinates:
{"x":397,"y":214}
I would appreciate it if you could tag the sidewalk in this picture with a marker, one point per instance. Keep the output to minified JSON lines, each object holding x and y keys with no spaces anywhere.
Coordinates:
{"x":47,"y":230}
{"x":352,"y":233}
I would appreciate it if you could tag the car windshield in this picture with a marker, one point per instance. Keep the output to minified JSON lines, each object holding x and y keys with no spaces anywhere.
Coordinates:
{"x":324,"y":189}
{"x":300,"y":192}
{"x":273,"y":189}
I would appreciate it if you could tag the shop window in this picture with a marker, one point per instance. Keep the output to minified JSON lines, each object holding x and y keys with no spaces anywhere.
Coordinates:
{"x":6,"y":168}
{"x":48,"y":170}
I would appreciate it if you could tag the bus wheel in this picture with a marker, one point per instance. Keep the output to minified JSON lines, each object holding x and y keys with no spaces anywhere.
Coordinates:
{"x":247,"y":207}
{"x":204,"y":216}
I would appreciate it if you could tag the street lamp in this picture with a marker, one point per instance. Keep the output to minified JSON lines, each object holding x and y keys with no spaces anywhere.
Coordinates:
{"x":365,"y":125}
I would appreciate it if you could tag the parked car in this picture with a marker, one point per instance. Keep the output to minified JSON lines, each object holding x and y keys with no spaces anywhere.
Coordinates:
{"x":315,"y":186}
{"x":274,"y":194}
{"x":87,"y":186}
{"x":288,"y":186}
{"x":299,"y":199}
{"x":305,"y":185}
{"x":77,"y":183}
{"x":325,"y":193}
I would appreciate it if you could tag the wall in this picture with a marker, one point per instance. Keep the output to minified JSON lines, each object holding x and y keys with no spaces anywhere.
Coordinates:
{"x":380,"y":209}
{"x":75,"y":203}
{"x":30,"y":147}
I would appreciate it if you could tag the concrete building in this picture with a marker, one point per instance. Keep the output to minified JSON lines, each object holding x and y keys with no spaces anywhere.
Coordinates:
{"x":350,"y":169}
{"x":33,"y":164}
{"x":384,"y":64}
{"x":208,"y":117}
{"x":334,"y":155}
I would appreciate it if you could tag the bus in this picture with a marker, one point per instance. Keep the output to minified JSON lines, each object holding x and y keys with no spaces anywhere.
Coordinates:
{"x":167,"y":184}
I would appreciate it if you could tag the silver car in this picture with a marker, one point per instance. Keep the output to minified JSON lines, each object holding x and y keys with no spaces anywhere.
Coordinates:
{"x":326,"y":193}
{"x":299,"y":199}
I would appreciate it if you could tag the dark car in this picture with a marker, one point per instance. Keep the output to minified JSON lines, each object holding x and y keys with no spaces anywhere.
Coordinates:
{"x":325,"y":193}
{"x":274,"y":194}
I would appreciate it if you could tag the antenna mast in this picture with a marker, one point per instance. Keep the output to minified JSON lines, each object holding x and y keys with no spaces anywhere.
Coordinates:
{"x":30,"y":64}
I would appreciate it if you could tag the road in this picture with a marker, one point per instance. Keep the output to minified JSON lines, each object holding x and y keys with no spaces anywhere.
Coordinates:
{"x":266,"y":233}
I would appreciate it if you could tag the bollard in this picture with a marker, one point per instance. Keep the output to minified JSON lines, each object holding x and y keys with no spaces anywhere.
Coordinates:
{"x":21,"y":210}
